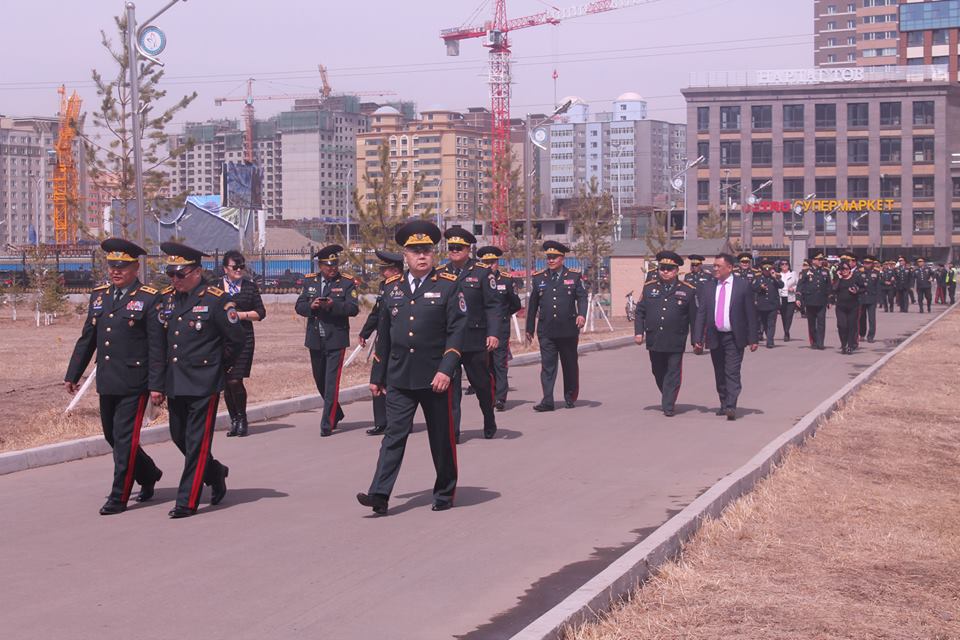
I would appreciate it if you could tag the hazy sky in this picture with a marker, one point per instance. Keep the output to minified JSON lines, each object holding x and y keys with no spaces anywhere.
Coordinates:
{"x":214,"y":45}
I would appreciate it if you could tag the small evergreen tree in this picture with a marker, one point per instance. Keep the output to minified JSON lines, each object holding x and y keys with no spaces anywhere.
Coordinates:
{"x":658,"y":238}
{"x":713,"y":226}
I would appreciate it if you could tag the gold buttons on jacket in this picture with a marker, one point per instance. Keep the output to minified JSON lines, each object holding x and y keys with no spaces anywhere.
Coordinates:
{"x":106,"y":357}
{"x":174,"y":358}
{"x":106,"y":343}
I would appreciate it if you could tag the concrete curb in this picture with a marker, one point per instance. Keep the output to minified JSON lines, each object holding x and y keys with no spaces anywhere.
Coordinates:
{"x":636,"y":565}
{"x":13,"y":461}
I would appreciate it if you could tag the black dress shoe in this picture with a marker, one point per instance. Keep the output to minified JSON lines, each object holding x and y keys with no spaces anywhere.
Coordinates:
{"x":543,"y":407}
{"x":470,"y":391}
{"x":731,"y":414}
{"x":234,"y":427}
{"x":669,"y":413}
{"x":377,"y":430}
{"x":242,"y":427}
{"x":721,"y":412}
{"x":110,"y":508}
{"x":376,"y":502}
{"x":219,"y":486}
{"x":180,"y":512}
{"x":570,"y":404}
{"x":326,"y":432}
{"x":441,"y":506}
{"x":489,"y":433}
{"x":870,"y":340}
{"x":500,"y":405}
{"x":456,"y":438}
{"x":146,"y":490}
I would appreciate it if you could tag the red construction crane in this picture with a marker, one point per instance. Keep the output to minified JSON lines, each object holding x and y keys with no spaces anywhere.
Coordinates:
{"x":496,"y":37}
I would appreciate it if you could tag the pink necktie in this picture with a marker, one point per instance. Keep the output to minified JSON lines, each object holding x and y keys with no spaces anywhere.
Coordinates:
{"x":721,"y":303}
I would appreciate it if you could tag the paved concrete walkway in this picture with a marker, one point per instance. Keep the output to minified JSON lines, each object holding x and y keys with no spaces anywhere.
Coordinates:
{"x":290,"y":554}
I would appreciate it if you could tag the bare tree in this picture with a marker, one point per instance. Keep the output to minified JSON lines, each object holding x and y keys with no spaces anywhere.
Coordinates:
{"x":658,"y":238}
{"x":712,"y":226}
{"x":593,"y":227}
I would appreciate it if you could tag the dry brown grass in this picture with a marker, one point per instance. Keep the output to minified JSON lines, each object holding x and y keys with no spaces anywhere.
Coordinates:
{"x":34,"y":360}
{"x":855,"y":535}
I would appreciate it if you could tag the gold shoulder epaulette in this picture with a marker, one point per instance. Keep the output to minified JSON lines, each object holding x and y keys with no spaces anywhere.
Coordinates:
{"x":167,"y":290}
{"x":310,"y":275}
{"x":346,"y":275}
{"x":447,"y":276}
{"x":482,"y":264}
{"x":538,"y":273}
{"x":101,"y":287}
{"x":571,"y":270}
{"x":147,"y":289}
{"x":687,"y":284}
{"x":215,"y":291}
{"x":392,"y":278}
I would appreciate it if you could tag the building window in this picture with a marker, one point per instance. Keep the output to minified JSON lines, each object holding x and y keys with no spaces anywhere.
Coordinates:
{"x":793,"y":153}
{"x":762,"y":153}
{"x":793,"y":116}
{"x":915,"y":39}
{"x":730,"y":153}
{"x":857,"y":115}
{"x":831,"y":42}
{"x":826,"y":151}
{"x":729,"y":118}
{"x":923,"y":187}
{"x":922,"y":149}
{"x":703,"y":191}
{"x":956,"y":220}
{"x":831,"y":58}
{"x":825,"y":187}
{"x":826,"y":222}
{"x":890,"y":187}
{"x":703,"y":118}
{"x":956,"y":187}
{"x":890,"y":150}
{"x":941,"y":36}
{"x":889,"y":114}
{"x":761,"y":116}
{"x":793,"y":189}
{"x":858,"y":187}
{"x":762,"y":223}
{"x":922,"y":221}
{"x":825,"y":116}
{"x":703,"y":150}
{"x":858,"y":151}
{"x":890,"y":221}
{"x":923,"y":113}
{"x":762,"y":188}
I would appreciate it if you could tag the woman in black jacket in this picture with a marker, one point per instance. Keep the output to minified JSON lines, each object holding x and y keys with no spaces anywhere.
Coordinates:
{"x":847,"y":288}
{"x":245,"y":294}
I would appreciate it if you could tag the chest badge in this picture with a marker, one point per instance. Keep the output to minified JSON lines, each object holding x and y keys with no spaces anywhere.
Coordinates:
{"x":135,"y":305}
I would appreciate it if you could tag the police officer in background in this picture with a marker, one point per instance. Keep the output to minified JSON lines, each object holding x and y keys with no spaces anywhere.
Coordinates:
{"x":421,"y":326}
{"x":696,"y":275}
{"x":665,"y":316}
{"x":391,"y":264}
{"x":122,"y":327}
{"x":924,"y":277}
{"x":509,"y":305}
{"x":479,"y":288}
{"x":328,"y":301}
{"x":768,"y":285}
{"x":814,"y":288}
{"x":559,"y":301}
{"x":871,"y":282}
{"x":203,"y":338}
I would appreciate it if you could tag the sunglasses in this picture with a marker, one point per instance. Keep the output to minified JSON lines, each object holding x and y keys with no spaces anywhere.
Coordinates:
{"x":179,"y":275}
{"x":236,"y":267}
{"x":666,"y":268}
{"x":456,"y":247}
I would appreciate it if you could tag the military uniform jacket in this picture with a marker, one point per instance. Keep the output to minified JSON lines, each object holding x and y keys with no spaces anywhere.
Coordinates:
{"x":923,"y":277}
{"x":903,"y":277}
{"x":886,"y":279}
{"x":556,"y":300}
{"x":871,"y":281}
{"x":202,"y":339}
{"x":479,"y":287}
{"x":697,"y":279}
{"x":506,"y":293}
{"x":665,"y":315}
{"x":370,"y":325}
{"x":768,"y":292}
{"x":335,"y":322}
{"x":419,"y":334}
{"x":127,"y":338}
{"x":814,"y":287}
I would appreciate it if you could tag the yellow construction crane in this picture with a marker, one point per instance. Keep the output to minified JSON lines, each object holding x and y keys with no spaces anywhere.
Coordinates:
{"x":66,"y":198}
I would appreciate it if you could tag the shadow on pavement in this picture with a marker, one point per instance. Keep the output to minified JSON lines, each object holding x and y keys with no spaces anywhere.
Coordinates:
{"x":258,"y":429}
{"x":167,"y":496}
{"x":244,"y":495}
{"x":466,"y":497}
{"x":477,"y":434}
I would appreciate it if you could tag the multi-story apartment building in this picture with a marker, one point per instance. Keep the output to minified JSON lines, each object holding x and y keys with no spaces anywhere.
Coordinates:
{"x":855,"y":33}
{"x":930,"y":34}
{"x":27,"y":162}
{"x":862,"y":162}
{"x":449,"y":150}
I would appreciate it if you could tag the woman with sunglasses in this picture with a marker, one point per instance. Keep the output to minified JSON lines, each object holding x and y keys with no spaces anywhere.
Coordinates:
{"x":246,"y":295}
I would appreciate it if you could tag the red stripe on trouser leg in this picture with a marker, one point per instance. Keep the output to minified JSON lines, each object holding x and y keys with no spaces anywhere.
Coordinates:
{"x":336,"y":394}
{"x":453,"y":437}
{"x":134,"y":445}
{"x":204,"y":453}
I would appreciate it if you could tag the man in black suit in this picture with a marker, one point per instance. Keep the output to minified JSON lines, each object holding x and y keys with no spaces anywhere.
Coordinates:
{"x":726,"y":324}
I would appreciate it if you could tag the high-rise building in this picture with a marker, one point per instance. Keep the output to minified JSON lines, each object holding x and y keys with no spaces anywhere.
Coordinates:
{"x":930,"y":34}
{"x":851,"y":33}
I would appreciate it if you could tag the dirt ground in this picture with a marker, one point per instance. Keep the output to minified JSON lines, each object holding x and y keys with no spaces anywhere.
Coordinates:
{"x":855,"y":535}
{"x":33,"y":361}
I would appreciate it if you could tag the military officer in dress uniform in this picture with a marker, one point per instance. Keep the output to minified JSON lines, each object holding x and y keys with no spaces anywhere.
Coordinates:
{"x":924,"y":277}
{"x":746,"y":269}
{"x":391,"y":264}
{"x":768,"y":285}
{"x":121,"y":327}
{"x":559,"y":301}
{"x":814,"y":287}
{"x":509,"y":305}
{"x":203,"y":338}
{"x":328,"y":301}
{"x":697,"y":275}
{"x":871,"y":282}
{"x":665,"y":316}
{"x":887,"y":290}
{"x":481,"y":338}
{"x":423,"y":317}
{"x":903,"y":283}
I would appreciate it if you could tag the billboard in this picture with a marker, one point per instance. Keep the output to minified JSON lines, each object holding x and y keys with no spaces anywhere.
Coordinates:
{"x":242,"y":185}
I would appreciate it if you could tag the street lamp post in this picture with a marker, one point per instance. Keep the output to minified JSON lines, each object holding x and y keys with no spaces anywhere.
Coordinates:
{"x":618,"y":228}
